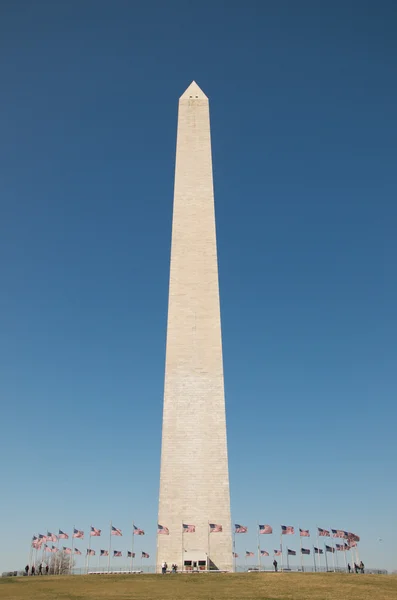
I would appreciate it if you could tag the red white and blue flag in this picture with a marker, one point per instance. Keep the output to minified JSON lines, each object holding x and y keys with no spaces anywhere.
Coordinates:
{"x":77,"y":551}
{"x":90,"y":552}
{"x":264,"y":553}
{"x":240,"y":528}
{"x":318,"y":550}
{"x":62,"y":535}
{"x":47,"y":548}
{"x":131,"y":554}
{"x":287,"y":530}
{"x":117,"y":553}
{"x":265,"y":529}
{"x":305,"y":550}
{"x":235,"y":555}
{"x":161,"y":530}
{"x":145,"y":555}
{"x":277,"y":552}
{"x":329,"y":549}
{"x":67,"y":550}
{"x":341,"y":547}
{"x":304,"y":532}
{"x":138,"y":531}
{"x":188,"y":528}
{"x":104,"y":553}
{"x":116,"y":531}
{"x":291,"y":552}
{"x":42,"y":538}
{"x":51,"y":537}
{"x":35,"y":542}
{"x":214,"y":528}
{"x":95,"y":532}
{"x":77,"y":533}
{"x":338,"y":533}
{"x":249,"y":553}
{"x":54,"y":549}
{"x":323,"y":532}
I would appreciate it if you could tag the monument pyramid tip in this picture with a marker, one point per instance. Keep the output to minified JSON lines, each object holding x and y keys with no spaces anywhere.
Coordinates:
{"x":193,"y":91}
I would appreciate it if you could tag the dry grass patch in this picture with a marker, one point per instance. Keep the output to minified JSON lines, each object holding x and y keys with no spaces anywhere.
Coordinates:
{"x":239,"y":586}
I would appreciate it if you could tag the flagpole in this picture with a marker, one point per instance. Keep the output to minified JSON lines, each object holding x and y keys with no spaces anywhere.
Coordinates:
{"x":110,"y":545}
{"x":30,"y":554}
{"x":319,"y":555}
{"x":87,"y":558}
{"x":326,"y":559}
{"x":300,"y":538}
{"x":314,"y":557}
{"x":132,"y":548}
{"x":57,"y":554}
{"x":259,"y":551}
{"x":333,"y":546}
{"x":182,"y":563}
{"x":234,"y":549}
{"x":281,"y":548}
{"x":71,"y":556}
{"x":208,"y":546}
{"x":287,"y":559}
{"x":344,"y":554}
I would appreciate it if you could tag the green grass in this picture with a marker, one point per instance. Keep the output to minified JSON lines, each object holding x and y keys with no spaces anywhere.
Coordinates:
{"x":244,"y":586}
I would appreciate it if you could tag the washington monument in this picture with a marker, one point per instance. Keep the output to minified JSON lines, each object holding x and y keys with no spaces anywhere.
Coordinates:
{"x":194,"y":478}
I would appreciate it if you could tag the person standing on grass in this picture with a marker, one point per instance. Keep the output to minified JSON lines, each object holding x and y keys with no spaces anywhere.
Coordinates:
{"x":275,"y":565}
{"x":33,"y":570}
{"x":362,"y":567}
{"x":27,"y":570}
{"x":349,"y":567}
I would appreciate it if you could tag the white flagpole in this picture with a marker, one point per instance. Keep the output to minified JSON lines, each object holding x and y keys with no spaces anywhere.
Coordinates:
{"x":333,"y":548}
{"x":234,"y":549}
{"x":182,"y":564}
{"x":87,"y":558}
{"x":318,"y":546}
{"x":110,"y":545}
{"x":300,"y":538}
{"x":208,"y":546}
{"x":314,"y":558}
{"x":259,"y":550}
{"x":71,"y":556}
{"x":281,"y":548}
{"x":344,"y":554}
{"x":132,"y":547}
{"x":57,"y":555}
{"x":287,"y":559}
{"x":326,"y":559}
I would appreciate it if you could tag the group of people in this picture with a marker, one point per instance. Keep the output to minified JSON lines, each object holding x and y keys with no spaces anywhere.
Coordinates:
{"x":43,"y":568}
{"x":357,"y":568}
{"x":164,"y":568}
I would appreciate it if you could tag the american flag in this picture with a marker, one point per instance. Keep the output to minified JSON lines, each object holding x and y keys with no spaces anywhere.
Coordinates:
{"x":341,"y":547}
{"x":353,"y":536}
{"x":249,"y":553}
{"x":67,"y":550}
{"x":338,"y":533}
{"x":235,"y":555}
{"x":104,"y":553}
{"x":145,"y":555}
{"x":352,"y":543}
{"x":323,"y":532}
{"x":188,"y":528}
{"x":277,"y":552}
{"x":214,"y":528}
{"x":138,"y":531}
{"x":240,"y":528}
{"x":304,"y":532}
{"x":329,"y":549}
{"x":117,"y":553}
{"x":131,"y":554}
{"x":287,"y":530}
{"x":264,"y":553}
{"x":265,"y":529}
{"x":35,"y":542}
{"x":51,"y":537}
{"x":318,"y":550}
{"x":47,"y":548}
{"x":77,"y":551}
{"x":291,"y":552}
{"x":116,"y":531}
{"x":54,"y":549}
{"x":62,"y":535}
{"x":95,"y":532}
{"x":305,"y":551}
{"x":77,"y":533}
{"x":90,"y":552}
{"x":42,"y":538}
{"x":161,"y":530}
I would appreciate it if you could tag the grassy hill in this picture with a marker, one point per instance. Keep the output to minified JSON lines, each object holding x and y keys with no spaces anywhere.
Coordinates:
{"x":244,"y":586}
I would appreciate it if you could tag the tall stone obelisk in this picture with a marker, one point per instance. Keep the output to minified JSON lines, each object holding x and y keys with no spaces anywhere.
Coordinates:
{"x":194,"y":480}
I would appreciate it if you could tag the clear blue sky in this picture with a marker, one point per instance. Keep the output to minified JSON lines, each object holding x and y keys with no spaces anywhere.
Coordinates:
{"x":303,"y":102}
